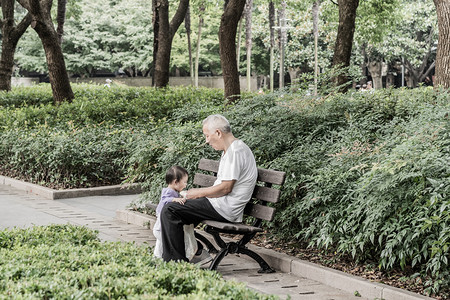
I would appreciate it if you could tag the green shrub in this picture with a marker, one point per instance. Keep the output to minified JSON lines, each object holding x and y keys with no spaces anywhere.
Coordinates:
{"x":19,"y":96}
{"x":82,"y":157}
{"x":66,"y":262}
{"x":367,"y":173}
{"x":97,"y":104}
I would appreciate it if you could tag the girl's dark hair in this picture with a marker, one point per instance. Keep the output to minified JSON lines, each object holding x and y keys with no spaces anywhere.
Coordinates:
{"x":175,"y":173}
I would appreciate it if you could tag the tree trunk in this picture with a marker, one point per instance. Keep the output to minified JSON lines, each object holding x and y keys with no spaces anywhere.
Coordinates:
{"x":199,"y":34}
{"x":61,"y":19}
{"x":293,"y":74}
{"x":315,"y":13}
{"x":344,"y":40}
{"x":283,"y":40}
{"x":59,"y":79}
{"x":187,"y":25}
{"x":238,"y":43}
{"x":272,"y":42}
{"x":10,"y":36}
{"x":248,"y":41}
{"x":227,"y":45}
{"x":375,"y":70}
{"x":443,"y":48}
{"x":43,"y":25}
{"x":166,"y":33}
{"x":155,"y":21}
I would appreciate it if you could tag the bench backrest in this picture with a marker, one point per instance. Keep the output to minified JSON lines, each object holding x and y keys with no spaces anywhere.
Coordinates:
{"x":263,"y":194}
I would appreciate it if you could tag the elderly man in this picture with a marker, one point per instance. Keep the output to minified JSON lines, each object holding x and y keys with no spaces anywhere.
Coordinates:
{"x":224,"y":201}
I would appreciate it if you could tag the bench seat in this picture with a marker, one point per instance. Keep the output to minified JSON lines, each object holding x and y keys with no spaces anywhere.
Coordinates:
{"x":232,"y":228}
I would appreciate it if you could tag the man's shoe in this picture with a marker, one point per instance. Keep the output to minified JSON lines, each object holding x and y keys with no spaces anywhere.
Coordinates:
{"x":203,"y":258}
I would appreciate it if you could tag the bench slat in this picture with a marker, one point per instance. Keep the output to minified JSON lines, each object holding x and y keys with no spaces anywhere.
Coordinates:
{"x":266,"y":194}
{"x":271,"y":176}
{"x":264,"y":175}
{"x":261,"y":192}
{"x":208,"y":165}
{"x":259,"y":211}
{"x":204,"y":180}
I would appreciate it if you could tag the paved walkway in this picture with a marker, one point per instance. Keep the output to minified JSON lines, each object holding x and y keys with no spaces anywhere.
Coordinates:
{"x":19,"y":209}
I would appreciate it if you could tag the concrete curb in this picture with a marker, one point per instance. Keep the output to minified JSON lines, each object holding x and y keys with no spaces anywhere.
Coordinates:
{"x":53,"y":194}
{"x":301,"y":268}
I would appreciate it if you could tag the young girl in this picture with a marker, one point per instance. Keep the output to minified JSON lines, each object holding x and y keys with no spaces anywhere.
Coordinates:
{"x":176,"y":179}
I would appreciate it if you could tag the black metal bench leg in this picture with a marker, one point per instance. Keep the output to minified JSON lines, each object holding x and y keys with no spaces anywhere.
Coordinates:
{"x":206,"y":242}
{"x":215,"y":263}
{"x":265,"y":268}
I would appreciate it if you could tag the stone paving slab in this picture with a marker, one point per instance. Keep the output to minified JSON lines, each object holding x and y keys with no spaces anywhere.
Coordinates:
{"x":17,"y":208}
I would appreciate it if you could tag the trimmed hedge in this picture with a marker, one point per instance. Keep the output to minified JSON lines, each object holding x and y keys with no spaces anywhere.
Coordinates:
{"x":69,"y":262}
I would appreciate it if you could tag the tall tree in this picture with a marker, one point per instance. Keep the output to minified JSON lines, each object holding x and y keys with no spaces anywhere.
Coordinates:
{"x":187,"y":26}
{"x":11,"y":33}
{"x":344,"y":40}
{"x":199,"y":34}
{"x":248,"y":40}
{"x":155,"y":20}
{"x":282,"y":39}
{"x":272,"y":42}
{"x":166,"y":32}
{"x":315,"y":12}
{"x":42,"y":23}
{"x":405,"y":32}
{"x":227,"y":42}
{"x":443,"y":48}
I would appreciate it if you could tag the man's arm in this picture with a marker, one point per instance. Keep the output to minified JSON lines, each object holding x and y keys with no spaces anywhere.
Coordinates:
{"x":222,"y":189}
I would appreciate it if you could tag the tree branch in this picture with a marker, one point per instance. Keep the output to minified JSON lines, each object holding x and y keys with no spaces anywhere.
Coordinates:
{"x":427,"y":56}
{"x":178,"y":18}
{"x":334,"y":3}
{"x":428,"y":71}
{"x":25,"y":4}
{"x":23,"y":25}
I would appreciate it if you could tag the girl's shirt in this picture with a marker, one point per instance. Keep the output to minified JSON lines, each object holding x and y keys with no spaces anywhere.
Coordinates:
{"x":167,"y":196}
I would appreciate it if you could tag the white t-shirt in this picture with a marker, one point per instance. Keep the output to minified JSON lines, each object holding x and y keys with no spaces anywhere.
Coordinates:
{"x":237,"y":163}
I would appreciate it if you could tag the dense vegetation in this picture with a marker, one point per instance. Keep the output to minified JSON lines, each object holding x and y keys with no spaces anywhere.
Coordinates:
{"x":69,"y":262}
{"x":368,"y":173}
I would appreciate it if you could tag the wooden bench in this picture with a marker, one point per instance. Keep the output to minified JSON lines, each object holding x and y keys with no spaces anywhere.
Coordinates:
{"x":256,"y":211}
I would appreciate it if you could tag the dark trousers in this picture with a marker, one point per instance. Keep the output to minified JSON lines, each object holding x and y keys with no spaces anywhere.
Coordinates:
{"x":174,"y":215}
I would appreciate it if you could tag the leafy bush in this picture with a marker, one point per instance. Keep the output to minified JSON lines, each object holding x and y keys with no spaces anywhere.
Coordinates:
{"x":65,"y":262}
{"x":368,"y":174}
{"x":87,"y":142}
{"x":28,"y":107}
{"x":19,"y":96}
{"x":82,"y":157}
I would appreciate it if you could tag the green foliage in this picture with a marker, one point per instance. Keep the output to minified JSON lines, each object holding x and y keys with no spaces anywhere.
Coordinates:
{"x":81,"y":157}
{"x":33,"y":106}
{"x":36,"y":95}
{"x":88,"y":142}
{"x":367,"y":173}
{"x":65,"y":262}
